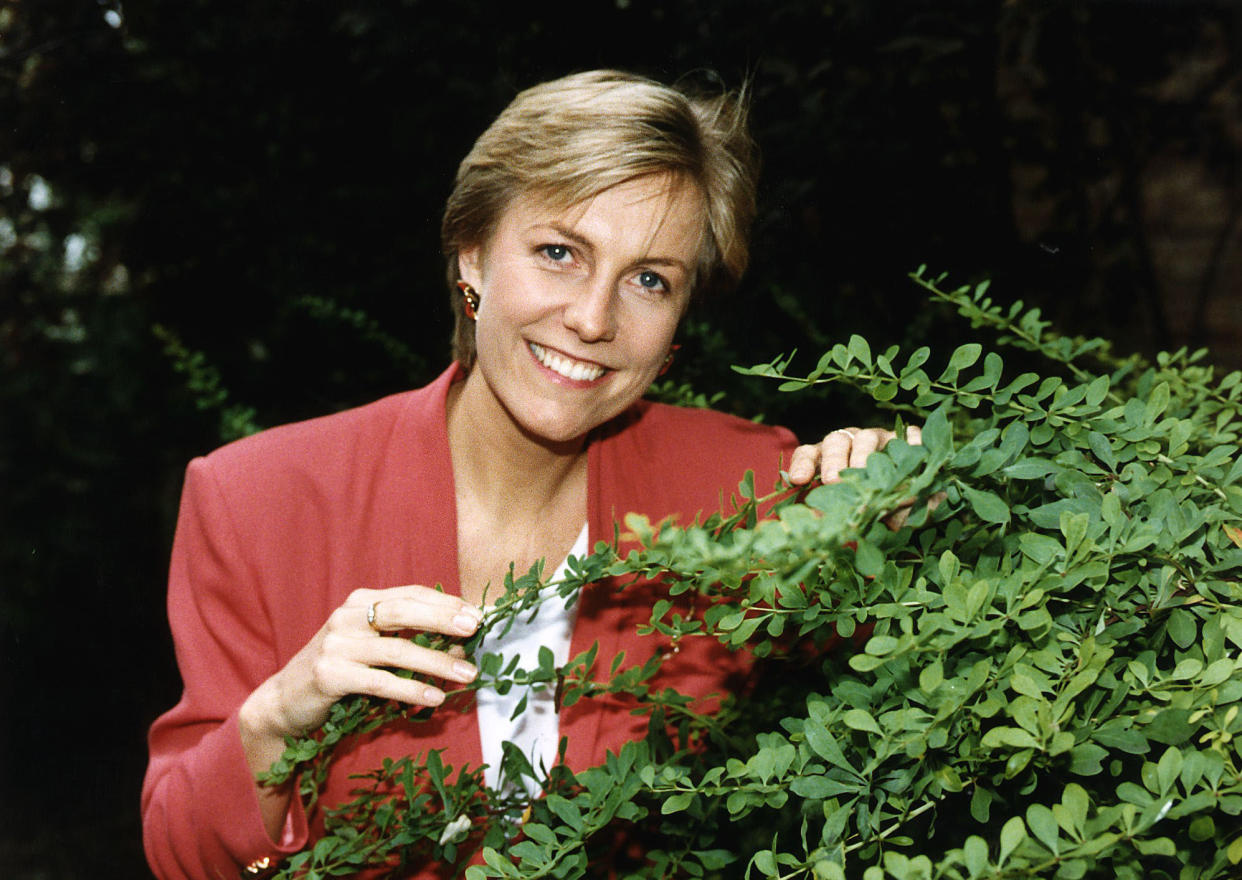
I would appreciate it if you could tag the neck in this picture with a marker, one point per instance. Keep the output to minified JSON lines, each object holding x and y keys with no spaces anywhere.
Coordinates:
{"x":500,"y":464}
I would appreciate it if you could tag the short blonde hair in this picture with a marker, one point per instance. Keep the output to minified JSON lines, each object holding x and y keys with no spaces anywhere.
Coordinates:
{"x":572,"y":138}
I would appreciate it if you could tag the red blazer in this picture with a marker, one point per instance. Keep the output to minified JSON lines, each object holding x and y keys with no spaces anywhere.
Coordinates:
{"x":276,"y":530}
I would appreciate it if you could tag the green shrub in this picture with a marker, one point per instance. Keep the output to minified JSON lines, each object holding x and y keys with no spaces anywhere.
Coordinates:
{"x":1045,"y":681}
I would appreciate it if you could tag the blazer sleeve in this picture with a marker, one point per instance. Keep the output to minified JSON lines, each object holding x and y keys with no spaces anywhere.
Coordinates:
{"x":200,"y":809}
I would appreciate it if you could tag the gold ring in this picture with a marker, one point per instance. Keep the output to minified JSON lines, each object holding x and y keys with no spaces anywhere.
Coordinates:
{"x":371,"y":616}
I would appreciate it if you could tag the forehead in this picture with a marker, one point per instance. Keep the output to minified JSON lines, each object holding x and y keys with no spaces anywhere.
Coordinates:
{"x":655,"y":212}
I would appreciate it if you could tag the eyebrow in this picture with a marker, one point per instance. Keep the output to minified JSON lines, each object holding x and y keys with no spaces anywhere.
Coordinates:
{"x":576,"y":238}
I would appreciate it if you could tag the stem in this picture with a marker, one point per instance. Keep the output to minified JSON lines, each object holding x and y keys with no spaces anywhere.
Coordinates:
{"x":891,"y":829}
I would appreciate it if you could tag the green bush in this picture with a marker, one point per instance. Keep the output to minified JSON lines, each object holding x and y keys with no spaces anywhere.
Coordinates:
{"x":1044,"y":680}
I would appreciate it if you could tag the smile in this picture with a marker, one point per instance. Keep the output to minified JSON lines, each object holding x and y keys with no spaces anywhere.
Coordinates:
{"x":567,"y":367}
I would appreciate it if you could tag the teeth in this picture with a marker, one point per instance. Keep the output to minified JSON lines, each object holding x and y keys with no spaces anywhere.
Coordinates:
{"x":570,"y":369}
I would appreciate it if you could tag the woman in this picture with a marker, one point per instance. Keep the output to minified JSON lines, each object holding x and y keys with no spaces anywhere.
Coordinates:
{"x":581,"y":224}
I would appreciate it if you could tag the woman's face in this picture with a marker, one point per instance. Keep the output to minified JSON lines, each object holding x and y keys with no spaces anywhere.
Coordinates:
{"x":578,"y":306}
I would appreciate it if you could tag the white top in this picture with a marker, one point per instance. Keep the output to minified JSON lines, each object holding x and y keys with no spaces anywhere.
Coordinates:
{"x":535,"y":731}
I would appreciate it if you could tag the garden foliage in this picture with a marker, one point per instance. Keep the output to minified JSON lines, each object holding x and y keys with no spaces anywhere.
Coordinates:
{"x":1036,"y":677}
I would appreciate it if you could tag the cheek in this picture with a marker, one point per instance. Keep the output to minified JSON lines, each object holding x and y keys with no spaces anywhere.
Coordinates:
{"x":659,"y":336}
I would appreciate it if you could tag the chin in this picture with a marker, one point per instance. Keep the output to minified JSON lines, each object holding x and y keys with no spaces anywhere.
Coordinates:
{"x":554,"y":428}
{"x":555,"y":437}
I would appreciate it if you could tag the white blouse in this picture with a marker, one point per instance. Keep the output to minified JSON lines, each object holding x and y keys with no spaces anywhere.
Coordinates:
{"x":535,"y":731}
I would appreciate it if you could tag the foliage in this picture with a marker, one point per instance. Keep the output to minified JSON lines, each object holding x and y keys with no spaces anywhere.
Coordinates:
{"x":1048,"y":682}
{"x":203,"y":382}
{"x":205,"y":166}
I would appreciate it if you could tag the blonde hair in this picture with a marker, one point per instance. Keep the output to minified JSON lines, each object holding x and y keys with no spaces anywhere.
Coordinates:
{"x":575,"y":137}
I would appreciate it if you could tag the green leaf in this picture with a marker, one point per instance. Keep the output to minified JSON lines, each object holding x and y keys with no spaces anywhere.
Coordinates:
{"x":1125,"y":739}
{"x":1014,"y":737}
{"x":869,"y":559}
{"x":821,"y":740}
{"x":498,"y":862}
{"x":836,"y":817}
{"x":931,"y":676}
{"x":565,"y":810}
{"x":1160,"y":846}
{"x":1169,"y":768}
{"x":675,"y":803}
{"x":715,"y":859}
{"x":975,"y":855}
{"x":881,"y":645}
{"x":1086,"y":759}
{"x":1074,"y":528}
{"x":1044,"y":826}
{"x":1203,"y":828}
{"x":861,"y":351}
{"x":1183,"y":628}
{"x":1097,"y":391}
{"x":988,"y":506}
{"x":937,"y":436}
{"x":981,"y":804}
{"x":860,"y":719}
{"x":866,"y":662}
{"x":1102,"y":449}
{"x":1072,"y":869}
{"x":1216,"y":673}
{"x":1012,"y":833}
{"x":948,"y":566}
{"x":826,"y":870}
{"x":1171,"y":727}
{"x":1031,"y":469}
{"x":817,"y":787}
{"x":965,"y":355}
{"x":1110,"y":509}
{"x":1157,"y":403}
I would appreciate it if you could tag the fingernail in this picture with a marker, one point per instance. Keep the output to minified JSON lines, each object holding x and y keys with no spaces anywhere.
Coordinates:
{"x":466,"y":622}
{"x":433,"y":696}
{"x":463,"y":671}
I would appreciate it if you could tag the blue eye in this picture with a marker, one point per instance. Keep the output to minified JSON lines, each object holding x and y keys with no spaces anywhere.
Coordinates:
{"x":651,"y":281}
{"x":558,"y":253}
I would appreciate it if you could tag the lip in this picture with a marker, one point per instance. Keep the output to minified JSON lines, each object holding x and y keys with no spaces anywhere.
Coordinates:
{"x":556,"y":377}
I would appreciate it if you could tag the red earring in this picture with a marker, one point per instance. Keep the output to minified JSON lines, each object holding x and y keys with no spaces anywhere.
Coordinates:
{"x":470,"y":298}
{"x":668,"y":361}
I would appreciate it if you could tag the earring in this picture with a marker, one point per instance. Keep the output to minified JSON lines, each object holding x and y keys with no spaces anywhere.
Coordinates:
{"x":668,"y":361}
{"x":470,"y":299}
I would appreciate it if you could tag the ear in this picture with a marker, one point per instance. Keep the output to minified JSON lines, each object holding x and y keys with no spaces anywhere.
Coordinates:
{"x":469,"y":265}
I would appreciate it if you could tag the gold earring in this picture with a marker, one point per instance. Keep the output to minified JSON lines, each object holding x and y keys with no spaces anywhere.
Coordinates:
{"x":668,"y":361}
{"x":470,"y":298}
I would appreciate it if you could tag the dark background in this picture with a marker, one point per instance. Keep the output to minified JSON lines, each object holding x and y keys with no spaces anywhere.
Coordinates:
{"x":264,"y":181}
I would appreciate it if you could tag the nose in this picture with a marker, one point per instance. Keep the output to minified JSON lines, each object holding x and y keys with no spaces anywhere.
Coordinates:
{"x":592,"y":312}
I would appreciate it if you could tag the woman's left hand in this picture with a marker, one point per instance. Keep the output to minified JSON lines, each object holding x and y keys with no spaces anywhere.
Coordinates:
{"x":841,"y":449}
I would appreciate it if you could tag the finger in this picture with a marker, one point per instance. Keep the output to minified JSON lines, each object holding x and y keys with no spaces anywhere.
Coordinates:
{"x":413,"y":608}
{"x":398,"y":653}
{"x":398,"y":614}
{"x":865,"y":443}
{"x":914,"y":435}
{"x":802,"y":465}
{"x":383,"y":684}
{"x":436,"y":598}
{"x":404,"y":690}
{"x":898,"y":517}
{"x":337,"y":675}
{"x":835,"y":454}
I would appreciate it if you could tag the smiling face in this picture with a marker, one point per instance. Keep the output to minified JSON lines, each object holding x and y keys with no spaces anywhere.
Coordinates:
{"x":579,"y":305}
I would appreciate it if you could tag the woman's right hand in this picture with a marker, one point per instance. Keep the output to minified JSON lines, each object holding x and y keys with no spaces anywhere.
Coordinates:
{"x":346,"y":656}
